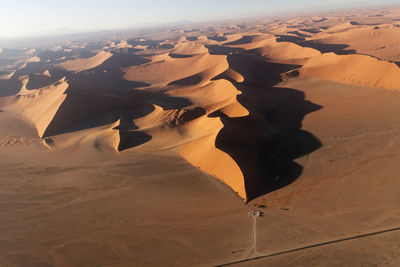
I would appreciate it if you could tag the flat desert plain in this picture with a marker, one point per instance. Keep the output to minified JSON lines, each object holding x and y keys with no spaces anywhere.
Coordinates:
{"x":151,"y":147}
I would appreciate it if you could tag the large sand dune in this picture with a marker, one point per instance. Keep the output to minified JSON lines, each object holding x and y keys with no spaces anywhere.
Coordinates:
{"x":39,"y":106}
{"x":381,"y":41}
{"x":354,"y":69}
{"x":81,"y":64}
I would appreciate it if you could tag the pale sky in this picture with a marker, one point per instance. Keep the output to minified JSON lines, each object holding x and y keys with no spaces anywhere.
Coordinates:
{"x":20,"y":17}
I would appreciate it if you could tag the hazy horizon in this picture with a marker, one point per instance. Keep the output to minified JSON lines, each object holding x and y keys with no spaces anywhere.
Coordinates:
{"x":33,"y":18}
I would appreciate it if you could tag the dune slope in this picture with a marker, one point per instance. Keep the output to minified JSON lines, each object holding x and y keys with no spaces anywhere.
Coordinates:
{"x":353,"y":69}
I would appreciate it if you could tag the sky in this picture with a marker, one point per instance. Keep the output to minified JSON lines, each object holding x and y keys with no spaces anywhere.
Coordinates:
{"x":30,"y":17}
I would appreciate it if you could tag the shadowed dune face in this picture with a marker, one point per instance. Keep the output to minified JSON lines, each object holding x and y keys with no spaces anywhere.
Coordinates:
{"x":265,"y":143}
{"x":9,"y":87}
{"x":262,"y":145}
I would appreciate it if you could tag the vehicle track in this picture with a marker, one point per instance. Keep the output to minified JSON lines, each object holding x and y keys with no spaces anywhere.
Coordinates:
{"x":288,"y":251}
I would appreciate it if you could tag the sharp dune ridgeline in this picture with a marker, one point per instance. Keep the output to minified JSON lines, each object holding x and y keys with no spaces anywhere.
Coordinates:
{"x":297,"y":116}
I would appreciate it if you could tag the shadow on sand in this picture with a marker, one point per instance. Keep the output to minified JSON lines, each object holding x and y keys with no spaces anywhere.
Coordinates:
{"x":266,"y":143}
{"x":340,"y":49}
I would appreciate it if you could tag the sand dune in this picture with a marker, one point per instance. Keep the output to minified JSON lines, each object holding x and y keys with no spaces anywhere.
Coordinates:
{"x":379,"y":41}
{"x":286,"y":51}
{"x":46,"y":73}
{"x":81,"y":64}
{"x":178,"y":71}
{"x":123,"y":44}
{"x":189,"y":48}
{"x":267,"y":46}
{"x":202,"y":153}
{"x":354,"y":69}
{"x":192,"y":128}
{"x":249,"y":42}
{"x":39,"y":106}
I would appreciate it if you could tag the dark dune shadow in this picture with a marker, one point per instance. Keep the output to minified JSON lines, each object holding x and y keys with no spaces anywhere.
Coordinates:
{"x":192,"y":38}
{"x":151,"y":44}
{"x":298,"y":26}
{"x":132,"y":139}
{"x":217,"y":38}
{"x":340,"y":49}
{"x":10,"y":87}
{"x":278,"y":169}
{"x":191,"y":80}
{"x":106,"y":78}
{"x":39,"y":81}
{"x":266,"y":143}
{"x":129,"y":137}
{"x":222,"y":50}
{"x":320,"y":20}
{"x":313,"y":30}
{"x":356,"y":23}
{"x":243,"y":40}
{"x":179,"y":55}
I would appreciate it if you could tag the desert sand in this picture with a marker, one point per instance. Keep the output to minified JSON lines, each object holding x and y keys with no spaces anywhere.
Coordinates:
{"x":151,"y":149}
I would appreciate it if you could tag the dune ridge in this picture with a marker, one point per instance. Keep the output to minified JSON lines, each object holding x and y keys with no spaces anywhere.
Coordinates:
{"x":168,"y":70}
{"x":353,"y":69}
{"x":267,"y":46}
{"x":38,"y":106}
{"x":81,"y":64}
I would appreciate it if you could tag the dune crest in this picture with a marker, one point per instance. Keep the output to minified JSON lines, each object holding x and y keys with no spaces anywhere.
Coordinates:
{"x":39,"y":106}
{"x":178,"y":71}
{"x":81,"y":64}
{"x":203,"y":154}
{"x":266,"y":45}
{"x":286,"y":51}
{"x":379,"y":41}
{"x":353,"y":69}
